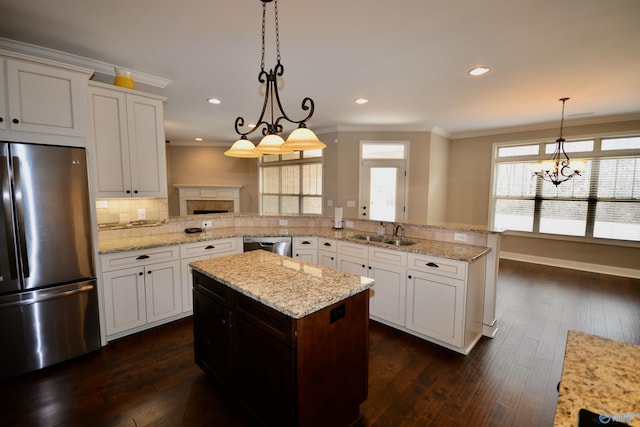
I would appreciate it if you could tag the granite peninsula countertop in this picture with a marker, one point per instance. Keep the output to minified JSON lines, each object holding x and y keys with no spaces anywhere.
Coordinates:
{"x":455,"y":251}
{"x":602,"y":376}
{"x":292,"y":287}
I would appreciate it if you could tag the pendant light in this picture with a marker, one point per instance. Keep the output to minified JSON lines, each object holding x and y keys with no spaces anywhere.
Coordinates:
{"x":272,"y":142}
{"x":558,"y":168}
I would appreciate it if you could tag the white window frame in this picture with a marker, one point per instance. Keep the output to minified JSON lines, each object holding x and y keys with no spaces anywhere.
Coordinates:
{"x":286,"y":160}
{"x":596,"y":154}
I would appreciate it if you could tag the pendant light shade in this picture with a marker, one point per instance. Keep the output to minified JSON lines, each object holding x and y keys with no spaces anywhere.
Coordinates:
{"x":303,"y":139}
{"x":243,"y":148}
{"x":272,"y":144}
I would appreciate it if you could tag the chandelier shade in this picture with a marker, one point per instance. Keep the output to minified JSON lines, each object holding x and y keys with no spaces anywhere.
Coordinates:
{"x":272,"y":114}
{"x":558,"y":168}
{"x":243,"y":148}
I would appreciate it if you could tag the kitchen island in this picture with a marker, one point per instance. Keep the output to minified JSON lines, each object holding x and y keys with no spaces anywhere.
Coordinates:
{"x":287,"y":339}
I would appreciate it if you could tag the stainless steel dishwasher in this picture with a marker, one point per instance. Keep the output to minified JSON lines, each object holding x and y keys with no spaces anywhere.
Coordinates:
{"x":280,"y":245}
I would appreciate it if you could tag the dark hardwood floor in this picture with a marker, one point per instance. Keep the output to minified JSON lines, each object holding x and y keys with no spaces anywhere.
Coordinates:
{"x":150,"y":379}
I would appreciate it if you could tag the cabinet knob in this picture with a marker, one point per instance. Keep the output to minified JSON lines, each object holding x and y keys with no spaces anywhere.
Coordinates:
{"x":1,"y":120}
{"x":369,"y":267}
{"x":135,"y":191}
{"x":140,"y":274}
{"x":410,"y":277}
{"x":149,"y":272}
{"x":128,"y":191}
{"x":16,"y":121}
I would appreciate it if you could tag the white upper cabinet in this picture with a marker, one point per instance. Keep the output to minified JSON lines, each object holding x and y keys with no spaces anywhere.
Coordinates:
{"x":127,"y":134}
{"x":40,"y":98}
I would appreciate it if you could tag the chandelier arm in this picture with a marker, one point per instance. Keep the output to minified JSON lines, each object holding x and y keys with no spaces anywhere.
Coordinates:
{"x":263,"y":77}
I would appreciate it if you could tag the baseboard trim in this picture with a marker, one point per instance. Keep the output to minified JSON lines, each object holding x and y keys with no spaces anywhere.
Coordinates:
{"x":573,"y":265}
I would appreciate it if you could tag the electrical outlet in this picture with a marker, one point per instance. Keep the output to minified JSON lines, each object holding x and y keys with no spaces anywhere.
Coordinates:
{"x":459,"y":237}
{"x":206,"y":224}
{"x":283,"y":222}
{"x":348,"y":224}
{"x":142,"y":213}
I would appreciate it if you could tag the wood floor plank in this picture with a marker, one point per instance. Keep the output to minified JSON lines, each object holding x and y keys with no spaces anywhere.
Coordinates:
{"x":150,"y":379}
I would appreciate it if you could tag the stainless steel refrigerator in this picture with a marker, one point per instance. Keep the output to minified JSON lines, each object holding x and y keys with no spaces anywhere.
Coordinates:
{"x":48,"y":294}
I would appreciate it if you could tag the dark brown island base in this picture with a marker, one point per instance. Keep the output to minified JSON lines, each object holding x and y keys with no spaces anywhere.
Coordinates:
{"x":287,"y":339}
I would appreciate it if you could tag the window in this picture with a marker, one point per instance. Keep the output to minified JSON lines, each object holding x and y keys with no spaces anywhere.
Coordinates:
{"x":604,"y":202}
{"x":291,"y":183}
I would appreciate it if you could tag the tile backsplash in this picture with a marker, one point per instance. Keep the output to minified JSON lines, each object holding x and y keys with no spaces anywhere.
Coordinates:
{"x":123,"y":211}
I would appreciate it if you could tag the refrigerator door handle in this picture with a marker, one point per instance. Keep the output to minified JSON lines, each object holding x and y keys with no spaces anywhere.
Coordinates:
{"x":8,"y":226}
{"x":47,"y":296}
{"x":24,"y":256}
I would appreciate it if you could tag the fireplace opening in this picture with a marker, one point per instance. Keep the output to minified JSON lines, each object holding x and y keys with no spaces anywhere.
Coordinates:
{"x":202,"y":207}
{"x":208,"y":211}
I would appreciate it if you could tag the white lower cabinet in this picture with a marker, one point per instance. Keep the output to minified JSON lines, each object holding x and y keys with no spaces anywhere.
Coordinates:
{"x":140,"y":289}
{"x":388,"y":268}
{"x":305,"y":249}
{"x":199,"y":251}
{"x":437,"y":299}
{"x":327,"y":253}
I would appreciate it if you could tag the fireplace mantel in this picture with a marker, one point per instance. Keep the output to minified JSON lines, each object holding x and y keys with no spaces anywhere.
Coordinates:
{"x":208,"y":192}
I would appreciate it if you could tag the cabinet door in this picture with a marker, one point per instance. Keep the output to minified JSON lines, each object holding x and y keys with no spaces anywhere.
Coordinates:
{"x":327,"y":259}
{"x":108,"y":112}
{"x":351,"y":265}
{"x":435,"y":307}
{"x":389,"y":292}
{"x":45,"y":99}
{"x":211,"y":337}
{"x":146,"y":146}
{"x":163,"y":290}
{"x":124,"y":299}
{"x":265,"y":374}
{"x":307,"y":255}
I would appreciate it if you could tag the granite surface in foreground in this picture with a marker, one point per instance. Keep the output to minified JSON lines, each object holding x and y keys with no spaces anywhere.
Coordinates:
{"x":602,"y":376}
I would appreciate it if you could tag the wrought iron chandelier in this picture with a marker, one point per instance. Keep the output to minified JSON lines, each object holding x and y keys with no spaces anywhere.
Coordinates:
{"x":558,"y":168}
{"x":300,"y":139}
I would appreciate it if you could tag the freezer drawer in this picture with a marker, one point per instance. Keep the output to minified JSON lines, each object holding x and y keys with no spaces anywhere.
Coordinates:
{"x":44,"y":327}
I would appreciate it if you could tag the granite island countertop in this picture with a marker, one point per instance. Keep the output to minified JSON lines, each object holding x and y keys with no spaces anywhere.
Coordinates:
{"x":455,"y":251}
{"x":294,"y":288}
{"x":602,"y":376}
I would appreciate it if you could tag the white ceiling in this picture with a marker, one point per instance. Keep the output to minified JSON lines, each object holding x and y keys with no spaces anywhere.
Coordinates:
{"x":410,"y":58}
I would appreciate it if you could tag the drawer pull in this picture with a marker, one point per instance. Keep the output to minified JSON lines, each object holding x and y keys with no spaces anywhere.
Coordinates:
{"x":143,"y":257}
{"x":210,"y":247}
{"x":432,"y":264}
{"x":305,"y":242}
{"x":327,"y":244}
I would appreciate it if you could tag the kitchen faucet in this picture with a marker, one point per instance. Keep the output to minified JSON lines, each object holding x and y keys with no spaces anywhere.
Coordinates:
{"x":398,"y":230}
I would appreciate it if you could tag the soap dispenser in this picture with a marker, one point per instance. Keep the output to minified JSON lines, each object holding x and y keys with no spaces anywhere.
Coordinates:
{"x":381,"y":229}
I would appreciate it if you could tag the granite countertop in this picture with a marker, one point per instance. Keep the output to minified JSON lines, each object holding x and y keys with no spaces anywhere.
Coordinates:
{"x":292,"y":287}
{"x":602,"y":376}
{"x":455,"y":251}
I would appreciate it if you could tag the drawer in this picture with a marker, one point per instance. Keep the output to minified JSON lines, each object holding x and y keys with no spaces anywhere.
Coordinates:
{"x":440,"y":266}
{"x":218,"y":246}
{"x":305,"y":243}
{"x":353,"y":250}
{"x":139,"y":258}
{"x":327,"y":245}
{"x":387,"y":256}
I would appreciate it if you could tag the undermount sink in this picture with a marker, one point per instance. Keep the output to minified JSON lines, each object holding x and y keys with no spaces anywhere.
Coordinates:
{"x":370,"y":238}
{"x":400,"y":242}
{"x":385,"y":239}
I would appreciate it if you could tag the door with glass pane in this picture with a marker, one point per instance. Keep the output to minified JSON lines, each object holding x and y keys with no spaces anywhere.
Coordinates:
{"x":382,"y":190}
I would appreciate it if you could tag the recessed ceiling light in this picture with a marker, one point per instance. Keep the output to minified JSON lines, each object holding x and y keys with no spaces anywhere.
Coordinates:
{"x":198,"y":139}
{"x":478,"y":71}
{"x":214,"y":101}
{"x":360,"y":101}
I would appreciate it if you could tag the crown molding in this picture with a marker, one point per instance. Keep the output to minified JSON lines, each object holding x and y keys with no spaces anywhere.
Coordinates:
{"x":69,"y":58}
